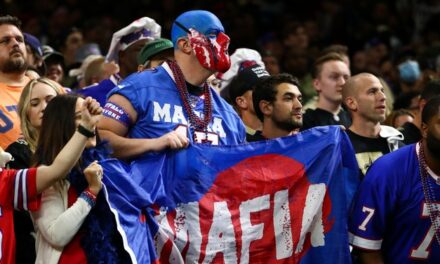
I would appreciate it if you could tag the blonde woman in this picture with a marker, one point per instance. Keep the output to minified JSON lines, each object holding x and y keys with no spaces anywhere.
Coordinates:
{"x":33,"y":100}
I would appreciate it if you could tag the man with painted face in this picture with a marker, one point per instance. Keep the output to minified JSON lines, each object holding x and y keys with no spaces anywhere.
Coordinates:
{"x":172,"y":105}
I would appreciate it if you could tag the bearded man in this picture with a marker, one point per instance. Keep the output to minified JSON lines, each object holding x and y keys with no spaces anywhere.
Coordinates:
{"x":278,"y":104}
{"x":12,"y":77}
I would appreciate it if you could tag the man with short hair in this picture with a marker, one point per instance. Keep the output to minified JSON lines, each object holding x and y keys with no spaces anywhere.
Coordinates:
{"x":172,"y":105}
{"x":277,"y":101}
{"x":240,"y":94}
{"x":155,"y":53}
{"x":395,"y":217}
{"x":364,"y":97}
{"x":330,"y":74}
{"x":13,"y":67}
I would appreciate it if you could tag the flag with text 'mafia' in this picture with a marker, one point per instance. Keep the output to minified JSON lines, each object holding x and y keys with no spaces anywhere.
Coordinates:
{"x":275,"y":201}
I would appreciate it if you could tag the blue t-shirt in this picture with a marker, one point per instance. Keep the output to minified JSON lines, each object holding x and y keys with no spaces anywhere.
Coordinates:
{"x":390,"y":213}
{"x":154,"y":96}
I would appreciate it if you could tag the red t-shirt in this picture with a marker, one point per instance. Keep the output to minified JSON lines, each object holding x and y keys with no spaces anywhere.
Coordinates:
{"x":73,"y":252}
{"x":18,"y":190}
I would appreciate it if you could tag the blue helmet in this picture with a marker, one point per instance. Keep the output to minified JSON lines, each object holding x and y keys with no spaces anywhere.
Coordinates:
{"x":203,"y":21}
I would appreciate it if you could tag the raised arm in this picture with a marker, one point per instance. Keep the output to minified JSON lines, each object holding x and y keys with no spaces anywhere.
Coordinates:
{"x":59,"y":226}
{"x":69,"y":155}
{"x":115,"y":133}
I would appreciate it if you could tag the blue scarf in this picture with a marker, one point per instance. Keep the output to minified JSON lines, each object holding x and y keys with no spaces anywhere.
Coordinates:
{"x":101,"y":242}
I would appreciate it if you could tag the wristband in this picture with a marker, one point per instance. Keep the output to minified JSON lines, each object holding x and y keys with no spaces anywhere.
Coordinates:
{"x":85,"y":132}
{"x":88,"y":192}
{"x":89,"y":197}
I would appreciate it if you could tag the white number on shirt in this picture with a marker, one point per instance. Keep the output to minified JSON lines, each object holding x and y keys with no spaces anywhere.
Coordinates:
{"x":421,"y":252}
{"x":200,"y":137}
{"x":370,"y":213}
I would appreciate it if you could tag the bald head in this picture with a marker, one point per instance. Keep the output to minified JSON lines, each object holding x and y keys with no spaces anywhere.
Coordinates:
{"x":351,"y":87}
{"x":364,"y":96}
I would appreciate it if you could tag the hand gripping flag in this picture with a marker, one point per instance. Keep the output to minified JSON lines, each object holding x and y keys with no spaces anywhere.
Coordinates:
{"x":275,"y":201}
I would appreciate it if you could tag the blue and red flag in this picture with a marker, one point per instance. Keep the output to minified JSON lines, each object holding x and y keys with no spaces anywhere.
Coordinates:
{"x":275,"y":201}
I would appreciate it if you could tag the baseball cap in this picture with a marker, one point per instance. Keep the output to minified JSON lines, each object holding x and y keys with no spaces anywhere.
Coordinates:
{"x":79,"y":72}
{"x":143,"y":28}
{"x":49,"y":54}
{"x":246,"y":79}
{"x":34,"y":43}
{"x":237,"y":58}
{"x":152,"y":48}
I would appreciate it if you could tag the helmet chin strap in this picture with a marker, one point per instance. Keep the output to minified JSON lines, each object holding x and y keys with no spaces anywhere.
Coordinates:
{"x":182,"y":27}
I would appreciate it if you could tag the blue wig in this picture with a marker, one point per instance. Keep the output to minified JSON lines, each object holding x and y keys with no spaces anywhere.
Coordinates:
{"x":203,"y":21}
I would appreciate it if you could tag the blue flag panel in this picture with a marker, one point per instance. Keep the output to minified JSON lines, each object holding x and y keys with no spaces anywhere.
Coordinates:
{"x":275,"y":201}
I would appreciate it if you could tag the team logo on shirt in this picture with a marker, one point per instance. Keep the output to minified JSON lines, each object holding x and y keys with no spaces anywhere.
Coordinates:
{"x":168,"y":113}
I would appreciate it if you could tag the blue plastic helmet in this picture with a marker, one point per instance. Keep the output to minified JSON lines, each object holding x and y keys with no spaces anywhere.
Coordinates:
{"x":203,"y":21}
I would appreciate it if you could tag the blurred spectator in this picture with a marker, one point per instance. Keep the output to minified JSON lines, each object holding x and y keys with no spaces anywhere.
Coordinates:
{"x":239,"y":59}
{"x":375,"y":50}
{"x":398,"y":118}
{"x":34,"y":52}
{"x":79,"y":73}
{"x":271,"y":63}
{"x":390,"y":74}
{"x":412,"y":130}
{"x":297,"y":62}
{"x":53,"y":64}
{"x":295,"y":36}
{"x":271,"y":44}
{"x":122,"y":55}
{"x":339,"y":49}
{"x":240,"y":94}
{"x":409,"y":74}
{"x":330,"y":74}
{"x":128,"y":42}
{"x":154,"y":53}
{"x":359,"y":62}
{"x":94,"y":72}
{"x":73,"y":41}
{"x":342,"y":50}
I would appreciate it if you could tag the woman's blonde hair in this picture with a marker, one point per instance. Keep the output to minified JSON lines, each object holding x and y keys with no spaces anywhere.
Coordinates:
{"x":30,"y":133}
